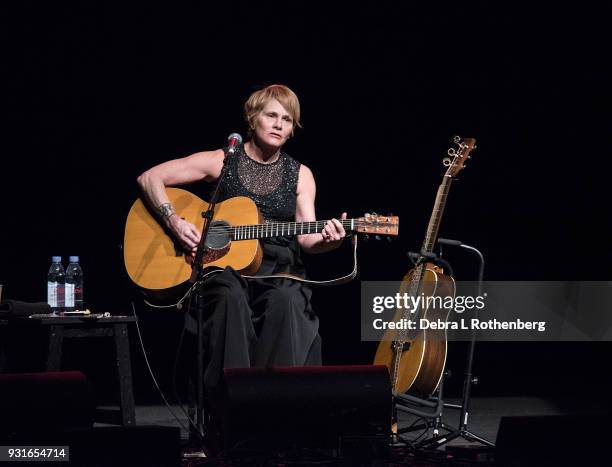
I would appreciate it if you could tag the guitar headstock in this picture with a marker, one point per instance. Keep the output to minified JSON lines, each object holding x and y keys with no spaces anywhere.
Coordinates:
{"x":457,"y":156}
{"x":377,"y":225}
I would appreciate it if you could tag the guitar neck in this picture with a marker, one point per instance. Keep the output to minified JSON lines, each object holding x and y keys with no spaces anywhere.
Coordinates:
{"x":436,"y":215}
{"x":281,"y":229}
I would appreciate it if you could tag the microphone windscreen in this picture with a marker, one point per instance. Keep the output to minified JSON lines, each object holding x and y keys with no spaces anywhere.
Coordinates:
{"x":235,"y":136}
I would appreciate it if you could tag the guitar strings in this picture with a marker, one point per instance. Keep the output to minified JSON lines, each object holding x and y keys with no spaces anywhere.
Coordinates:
{"x":274,"y":229}
{"x":274,"y":225}
{"x":291,"y":225}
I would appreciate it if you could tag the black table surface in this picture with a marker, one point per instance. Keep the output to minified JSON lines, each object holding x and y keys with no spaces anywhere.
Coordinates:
{"x":53,"y":320}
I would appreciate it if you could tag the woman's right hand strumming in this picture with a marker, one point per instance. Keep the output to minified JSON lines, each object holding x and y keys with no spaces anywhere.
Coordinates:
{"x":185,"y":232}
{"x":199,"y":166}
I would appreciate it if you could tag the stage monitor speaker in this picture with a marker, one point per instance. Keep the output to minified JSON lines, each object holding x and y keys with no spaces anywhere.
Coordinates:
{"x":279,"y":408}
{"x":36,"y":401}
{"x":553,"y":440}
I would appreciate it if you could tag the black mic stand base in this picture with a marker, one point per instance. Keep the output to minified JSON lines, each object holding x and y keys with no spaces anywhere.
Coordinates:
{"x":452,"y":434}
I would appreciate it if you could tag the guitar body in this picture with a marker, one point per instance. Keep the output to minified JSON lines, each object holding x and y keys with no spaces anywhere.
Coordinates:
{"x":424,"y":356}
{"x":156,"y":262}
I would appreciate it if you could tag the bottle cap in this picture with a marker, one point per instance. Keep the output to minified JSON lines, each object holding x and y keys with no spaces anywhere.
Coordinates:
{"x":73,"y":259}
{"x":56,"y":259}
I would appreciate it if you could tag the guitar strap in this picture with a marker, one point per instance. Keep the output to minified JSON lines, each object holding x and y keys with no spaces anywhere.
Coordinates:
{"x":326,"y":283}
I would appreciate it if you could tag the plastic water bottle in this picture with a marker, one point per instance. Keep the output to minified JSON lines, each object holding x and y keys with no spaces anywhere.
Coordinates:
{"x":55,"y":285}
{"x":74,"y":285}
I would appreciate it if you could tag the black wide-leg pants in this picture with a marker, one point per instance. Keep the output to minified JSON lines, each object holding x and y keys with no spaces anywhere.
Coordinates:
{"x":256,"y":322}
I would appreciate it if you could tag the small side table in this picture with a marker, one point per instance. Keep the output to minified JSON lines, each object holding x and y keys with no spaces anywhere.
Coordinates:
{"x":64,"y":327}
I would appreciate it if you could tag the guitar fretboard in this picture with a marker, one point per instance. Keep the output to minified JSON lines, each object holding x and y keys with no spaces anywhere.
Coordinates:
{"x":276,"y":229}
{"x":436,"y":215}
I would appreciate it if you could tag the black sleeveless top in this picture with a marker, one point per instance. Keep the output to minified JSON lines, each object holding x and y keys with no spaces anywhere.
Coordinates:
{"x":272,"y":186}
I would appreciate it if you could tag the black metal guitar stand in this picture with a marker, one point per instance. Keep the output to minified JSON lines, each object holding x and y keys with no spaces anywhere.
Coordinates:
{"x":431,"y":408}
{"x":462,"y":430}
{"x":433,"y":416}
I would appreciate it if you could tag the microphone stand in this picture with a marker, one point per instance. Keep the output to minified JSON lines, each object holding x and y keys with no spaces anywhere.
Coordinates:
{"x":196,"y":276}
{"x":469,"y":379}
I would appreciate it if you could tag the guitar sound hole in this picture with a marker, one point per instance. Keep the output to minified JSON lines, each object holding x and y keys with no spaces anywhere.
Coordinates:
{"x":219,"y":235}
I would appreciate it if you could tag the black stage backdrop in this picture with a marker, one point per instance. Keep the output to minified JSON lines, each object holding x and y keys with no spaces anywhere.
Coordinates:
{"x":94,"y":94}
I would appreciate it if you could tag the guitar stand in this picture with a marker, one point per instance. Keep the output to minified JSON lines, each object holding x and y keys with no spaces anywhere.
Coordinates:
{"x":403,"y":402}
{"x":406,"y":402}
{"x":415,"y":406}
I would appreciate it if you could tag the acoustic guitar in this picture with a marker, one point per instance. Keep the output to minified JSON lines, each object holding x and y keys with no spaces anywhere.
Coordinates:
{"x":416,"y":359}
{"x":156,"y":262}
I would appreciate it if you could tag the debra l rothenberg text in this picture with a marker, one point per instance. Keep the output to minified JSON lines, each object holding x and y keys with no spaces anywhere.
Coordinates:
{"x":462,"y":324}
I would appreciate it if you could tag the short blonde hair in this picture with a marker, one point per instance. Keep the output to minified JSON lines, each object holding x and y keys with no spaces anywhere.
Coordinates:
{"x":258,"y":100}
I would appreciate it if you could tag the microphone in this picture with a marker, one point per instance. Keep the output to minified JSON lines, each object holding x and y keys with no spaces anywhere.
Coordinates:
{"x":233,"y":140}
